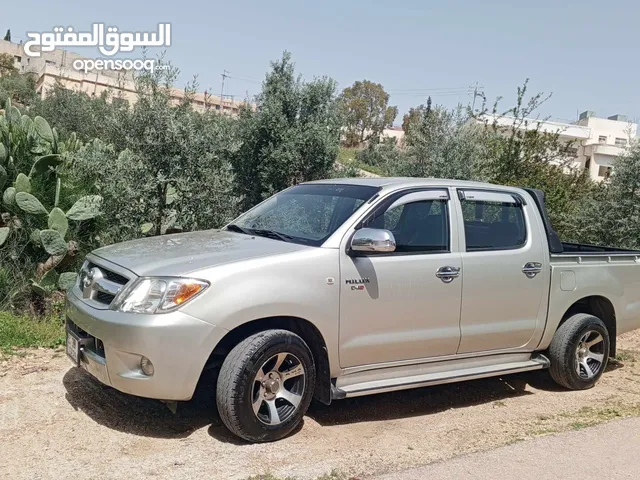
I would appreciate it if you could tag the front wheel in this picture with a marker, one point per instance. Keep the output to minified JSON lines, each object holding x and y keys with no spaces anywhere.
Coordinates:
{"x":265,"y":385}
{"x":579,"y":352}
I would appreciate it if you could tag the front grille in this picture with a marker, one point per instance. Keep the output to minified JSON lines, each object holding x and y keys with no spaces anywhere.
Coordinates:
{"x":109,"y":275}
{"x":105,"y":298}
{"x":102,"y":284}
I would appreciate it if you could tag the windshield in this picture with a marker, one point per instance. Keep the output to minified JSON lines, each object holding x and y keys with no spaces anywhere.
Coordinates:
{"x":306,"y":214}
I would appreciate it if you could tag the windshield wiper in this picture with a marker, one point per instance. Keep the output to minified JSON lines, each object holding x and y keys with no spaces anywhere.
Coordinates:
{"x":271,"y":234}
{"x":237,"y":228}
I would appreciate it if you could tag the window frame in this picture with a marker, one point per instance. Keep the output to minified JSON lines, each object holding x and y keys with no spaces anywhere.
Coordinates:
{"x":392,"y":200}
{"x":518,"y":201}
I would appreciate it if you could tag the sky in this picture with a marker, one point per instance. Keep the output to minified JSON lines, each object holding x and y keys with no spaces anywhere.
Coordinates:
{"x":583,"y":52}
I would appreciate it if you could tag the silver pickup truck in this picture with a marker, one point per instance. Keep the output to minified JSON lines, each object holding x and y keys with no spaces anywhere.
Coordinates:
{"x":340,"y":288}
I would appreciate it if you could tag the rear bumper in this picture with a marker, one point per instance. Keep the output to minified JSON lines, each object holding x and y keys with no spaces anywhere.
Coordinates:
{"x":177,"y":344}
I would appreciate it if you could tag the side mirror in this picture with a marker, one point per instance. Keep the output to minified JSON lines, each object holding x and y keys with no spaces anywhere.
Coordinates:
{"x":373,"y":240}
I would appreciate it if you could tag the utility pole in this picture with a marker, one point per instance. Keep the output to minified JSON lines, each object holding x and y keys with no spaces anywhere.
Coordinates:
{"x":225,"y":74}
{"x":475,"y":94}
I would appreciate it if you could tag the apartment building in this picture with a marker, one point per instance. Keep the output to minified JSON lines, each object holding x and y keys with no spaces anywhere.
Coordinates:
{"x":596,"y":142}
{"x":57,"y":66}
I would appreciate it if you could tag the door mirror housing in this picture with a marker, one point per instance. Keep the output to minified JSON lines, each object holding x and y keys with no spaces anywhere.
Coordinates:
{"x":373,"y":240}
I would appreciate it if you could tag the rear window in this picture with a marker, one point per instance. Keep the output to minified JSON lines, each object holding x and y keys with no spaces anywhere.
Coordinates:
{"x":493,"y":225}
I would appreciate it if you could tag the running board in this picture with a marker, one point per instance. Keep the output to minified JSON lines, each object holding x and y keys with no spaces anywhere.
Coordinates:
{"x":538,"y":362}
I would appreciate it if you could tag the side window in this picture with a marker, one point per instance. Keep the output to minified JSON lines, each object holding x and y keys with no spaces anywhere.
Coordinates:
{"x":418,"y":227}
{"x":493,"y":225}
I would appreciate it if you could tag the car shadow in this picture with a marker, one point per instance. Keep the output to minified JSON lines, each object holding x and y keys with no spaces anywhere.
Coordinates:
{"x":140,"y":416}
{"x":151,"y":418}
{"x":422,"y":401}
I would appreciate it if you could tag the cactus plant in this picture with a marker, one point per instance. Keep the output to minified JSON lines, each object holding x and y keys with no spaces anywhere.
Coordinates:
{"x":67,"y":280}
{"x":85,"y":208}
{"x":32,"y":162}
{"x":3,"y":177}
{"x":43,"y":129}
{"x":30,"y":204}
{"x":9,"y":197}
{"x":22,"y":183}
{"x":53,"y":242}
{"x":58,"y":221}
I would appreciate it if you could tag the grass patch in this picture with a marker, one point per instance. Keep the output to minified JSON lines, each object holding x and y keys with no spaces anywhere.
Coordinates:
{"x":626,"y":356}
{"x":347,"y":157}
{"x":584,"y":417}
{"x":23,"y":332}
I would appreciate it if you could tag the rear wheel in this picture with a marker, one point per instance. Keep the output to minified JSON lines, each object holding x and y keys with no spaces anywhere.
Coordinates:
{"x":265,"y":385}
{"x":579,"y":352}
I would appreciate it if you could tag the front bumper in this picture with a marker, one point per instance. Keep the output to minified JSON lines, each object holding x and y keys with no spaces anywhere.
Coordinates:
{"x":114,"y":342}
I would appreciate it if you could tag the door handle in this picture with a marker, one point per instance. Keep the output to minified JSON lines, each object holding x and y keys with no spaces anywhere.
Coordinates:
{"x":531,"y":269}
{"x":447,"y":274}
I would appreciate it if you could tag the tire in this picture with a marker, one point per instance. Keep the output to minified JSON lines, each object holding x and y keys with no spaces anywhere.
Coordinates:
{"x":285,"y":366}
{"x":575,"y":350}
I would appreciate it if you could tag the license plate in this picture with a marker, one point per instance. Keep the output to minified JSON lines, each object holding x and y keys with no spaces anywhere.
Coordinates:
{"x":73,"y":348}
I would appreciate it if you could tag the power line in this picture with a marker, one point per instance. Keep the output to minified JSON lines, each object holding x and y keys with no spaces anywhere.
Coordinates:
{"x":245,"y":79}
{"x":428,"y":89}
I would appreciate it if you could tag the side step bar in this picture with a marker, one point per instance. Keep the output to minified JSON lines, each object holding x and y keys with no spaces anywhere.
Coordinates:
{"x":537,"y":362}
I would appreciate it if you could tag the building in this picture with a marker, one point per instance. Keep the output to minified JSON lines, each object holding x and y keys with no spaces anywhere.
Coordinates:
{"x":596,"y":142}
{"x":57,"y":66}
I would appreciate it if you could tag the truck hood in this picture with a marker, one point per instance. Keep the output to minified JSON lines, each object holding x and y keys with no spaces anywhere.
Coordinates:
{"x":182,"y":253}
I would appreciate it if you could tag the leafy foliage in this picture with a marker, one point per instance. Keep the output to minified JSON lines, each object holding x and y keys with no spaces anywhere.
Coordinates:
{"x":33,"y":225}
{"x":611,"y":214}
{"x":366,"y":110}
{"x":291,"y":137}
{"x":99,"y":170}
{"x":6,"y":64}
{"x":17,"y":87}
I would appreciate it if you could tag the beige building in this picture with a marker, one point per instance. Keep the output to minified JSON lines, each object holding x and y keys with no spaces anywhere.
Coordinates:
{"x":58,"y":66}
{"x":596,"y":142}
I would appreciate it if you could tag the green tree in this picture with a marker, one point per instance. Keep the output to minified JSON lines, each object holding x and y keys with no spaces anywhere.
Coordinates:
{"x":366,"y":111}
{"x":611,"y":214}
{"x":19,"y":88}
{"x":6,"y":65}
{"x":167,"y":167}
{"x":74,"y":111}
{"x":519,"y":152}
{"x":444,"y":144}
{"x":414,"y":115}
{"x":7,"y":36}
{"x":385,"y":157}
{"x":292,"y":136}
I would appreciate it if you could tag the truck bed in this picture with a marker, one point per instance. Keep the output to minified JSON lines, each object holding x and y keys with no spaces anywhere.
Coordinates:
{"x":559,"y":248}
{"x":586,"y":249}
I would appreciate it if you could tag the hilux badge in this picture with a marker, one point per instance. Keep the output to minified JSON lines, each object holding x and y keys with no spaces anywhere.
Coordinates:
{"x":357,"y":281}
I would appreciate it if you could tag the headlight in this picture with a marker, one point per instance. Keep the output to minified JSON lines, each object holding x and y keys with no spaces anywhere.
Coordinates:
{"x":158,"y":295}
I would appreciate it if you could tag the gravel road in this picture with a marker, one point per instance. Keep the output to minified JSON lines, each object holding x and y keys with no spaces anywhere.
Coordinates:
{"x":57,"y":422}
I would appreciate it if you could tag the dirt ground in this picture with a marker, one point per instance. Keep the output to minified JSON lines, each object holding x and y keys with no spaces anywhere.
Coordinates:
{"x":57,"y":422}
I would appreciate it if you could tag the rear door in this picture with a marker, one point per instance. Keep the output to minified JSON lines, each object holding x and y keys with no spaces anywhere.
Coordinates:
{"x":505,"y":272}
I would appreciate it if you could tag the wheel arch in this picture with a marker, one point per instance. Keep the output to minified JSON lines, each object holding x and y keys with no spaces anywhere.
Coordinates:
{"x":600,"y":307}
{"x":301,"y":327}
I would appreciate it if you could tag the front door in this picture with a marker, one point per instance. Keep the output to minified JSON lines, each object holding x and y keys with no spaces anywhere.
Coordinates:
{"x":505,"y":270}
{"x":393,"y":307}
